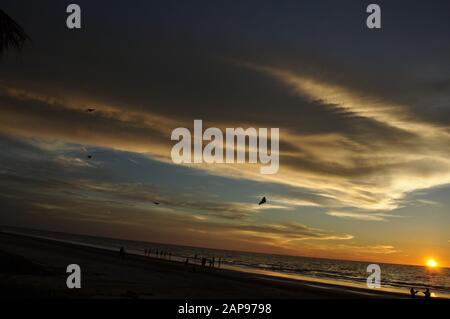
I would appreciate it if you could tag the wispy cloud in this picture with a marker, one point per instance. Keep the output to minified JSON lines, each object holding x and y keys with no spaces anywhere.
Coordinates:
{"x":341,"y":97}
{"x":360,"y":216}
{"x":342,"y":170}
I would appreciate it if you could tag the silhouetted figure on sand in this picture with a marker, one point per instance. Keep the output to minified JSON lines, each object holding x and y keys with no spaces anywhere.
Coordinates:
{"x":122,"y":252}
{"x":203,"y":262}
{"x":219,"y":262}
{"x":427,"y":293}
{"x":187,"y":261}
{"x":413,"y":292}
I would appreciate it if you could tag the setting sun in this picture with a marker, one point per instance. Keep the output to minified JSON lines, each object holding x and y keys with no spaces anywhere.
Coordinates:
{"x":431,"y":263}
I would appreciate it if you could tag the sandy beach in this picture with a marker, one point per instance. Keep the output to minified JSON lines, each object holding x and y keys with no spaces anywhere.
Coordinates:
{"x":31,"y":267}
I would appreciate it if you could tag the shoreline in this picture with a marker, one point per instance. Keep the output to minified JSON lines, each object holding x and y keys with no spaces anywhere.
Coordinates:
{"x":160,"y":278}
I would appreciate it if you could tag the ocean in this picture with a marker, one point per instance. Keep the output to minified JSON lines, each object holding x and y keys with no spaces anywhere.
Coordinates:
{"x":394,"y":277}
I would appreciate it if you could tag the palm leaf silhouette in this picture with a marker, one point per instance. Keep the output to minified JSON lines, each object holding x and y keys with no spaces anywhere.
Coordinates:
{"x":12,"y":36}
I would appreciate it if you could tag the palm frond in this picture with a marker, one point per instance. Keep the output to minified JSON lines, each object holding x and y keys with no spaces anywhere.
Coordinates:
{"x":12,"y":36}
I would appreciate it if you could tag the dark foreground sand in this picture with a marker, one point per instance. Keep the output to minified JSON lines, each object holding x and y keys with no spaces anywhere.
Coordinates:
{"x":35,"y":268}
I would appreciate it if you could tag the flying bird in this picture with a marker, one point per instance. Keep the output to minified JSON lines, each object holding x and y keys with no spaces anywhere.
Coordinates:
{"x":90,"y":154}
{"x":156,"y":203}
{"x":262,"y":201}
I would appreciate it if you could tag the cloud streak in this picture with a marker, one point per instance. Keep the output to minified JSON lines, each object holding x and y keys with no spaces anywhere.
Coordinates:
{"x":369,"y":175}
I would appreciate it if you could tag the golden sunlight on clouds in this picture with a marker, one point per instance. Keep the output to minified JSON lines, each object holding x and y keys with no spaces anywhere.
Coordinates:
{"x":359,"y":215}
{"x":365,"y":106}
{"x":341,"y":170}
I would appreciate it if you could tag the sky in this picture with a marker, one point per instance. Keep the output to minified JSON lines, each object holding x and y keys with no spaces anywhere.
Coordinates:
{"x":363,"y":115}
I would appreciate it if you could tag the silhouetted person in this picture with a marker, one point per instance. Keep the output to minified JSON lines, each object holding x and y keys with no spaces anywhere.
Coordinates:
{"x":203,"y":262}
{"x":413,"y":292}
{"x":213,"y":261}
{"x":262,"y":201}
{"x":122,"y":252}
{"x":220,"y":261}
{"x":427,"y":293}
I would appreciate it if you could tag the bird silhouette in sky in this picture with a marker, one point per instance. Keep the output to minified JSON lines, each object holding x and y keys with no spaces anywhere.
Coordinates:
{"x":262,"y":201}
{"x":90,"y":153}
{"x":156,"y":203}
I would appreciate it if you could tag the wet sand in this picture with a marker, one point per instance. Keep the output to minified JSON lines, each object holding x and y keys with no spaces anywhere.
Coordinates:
{"x":36,"y":268}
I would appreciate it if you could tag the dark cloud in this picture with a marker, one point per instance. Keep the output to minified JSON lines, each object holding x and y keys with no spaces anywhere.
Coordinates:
{"x":363,"y":115}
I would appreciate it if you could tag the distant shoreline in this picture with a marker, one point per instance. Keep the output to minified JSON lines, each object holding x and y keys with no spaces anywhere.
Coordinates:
{"x":110,"y":276}
{"x":7,"y":228}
